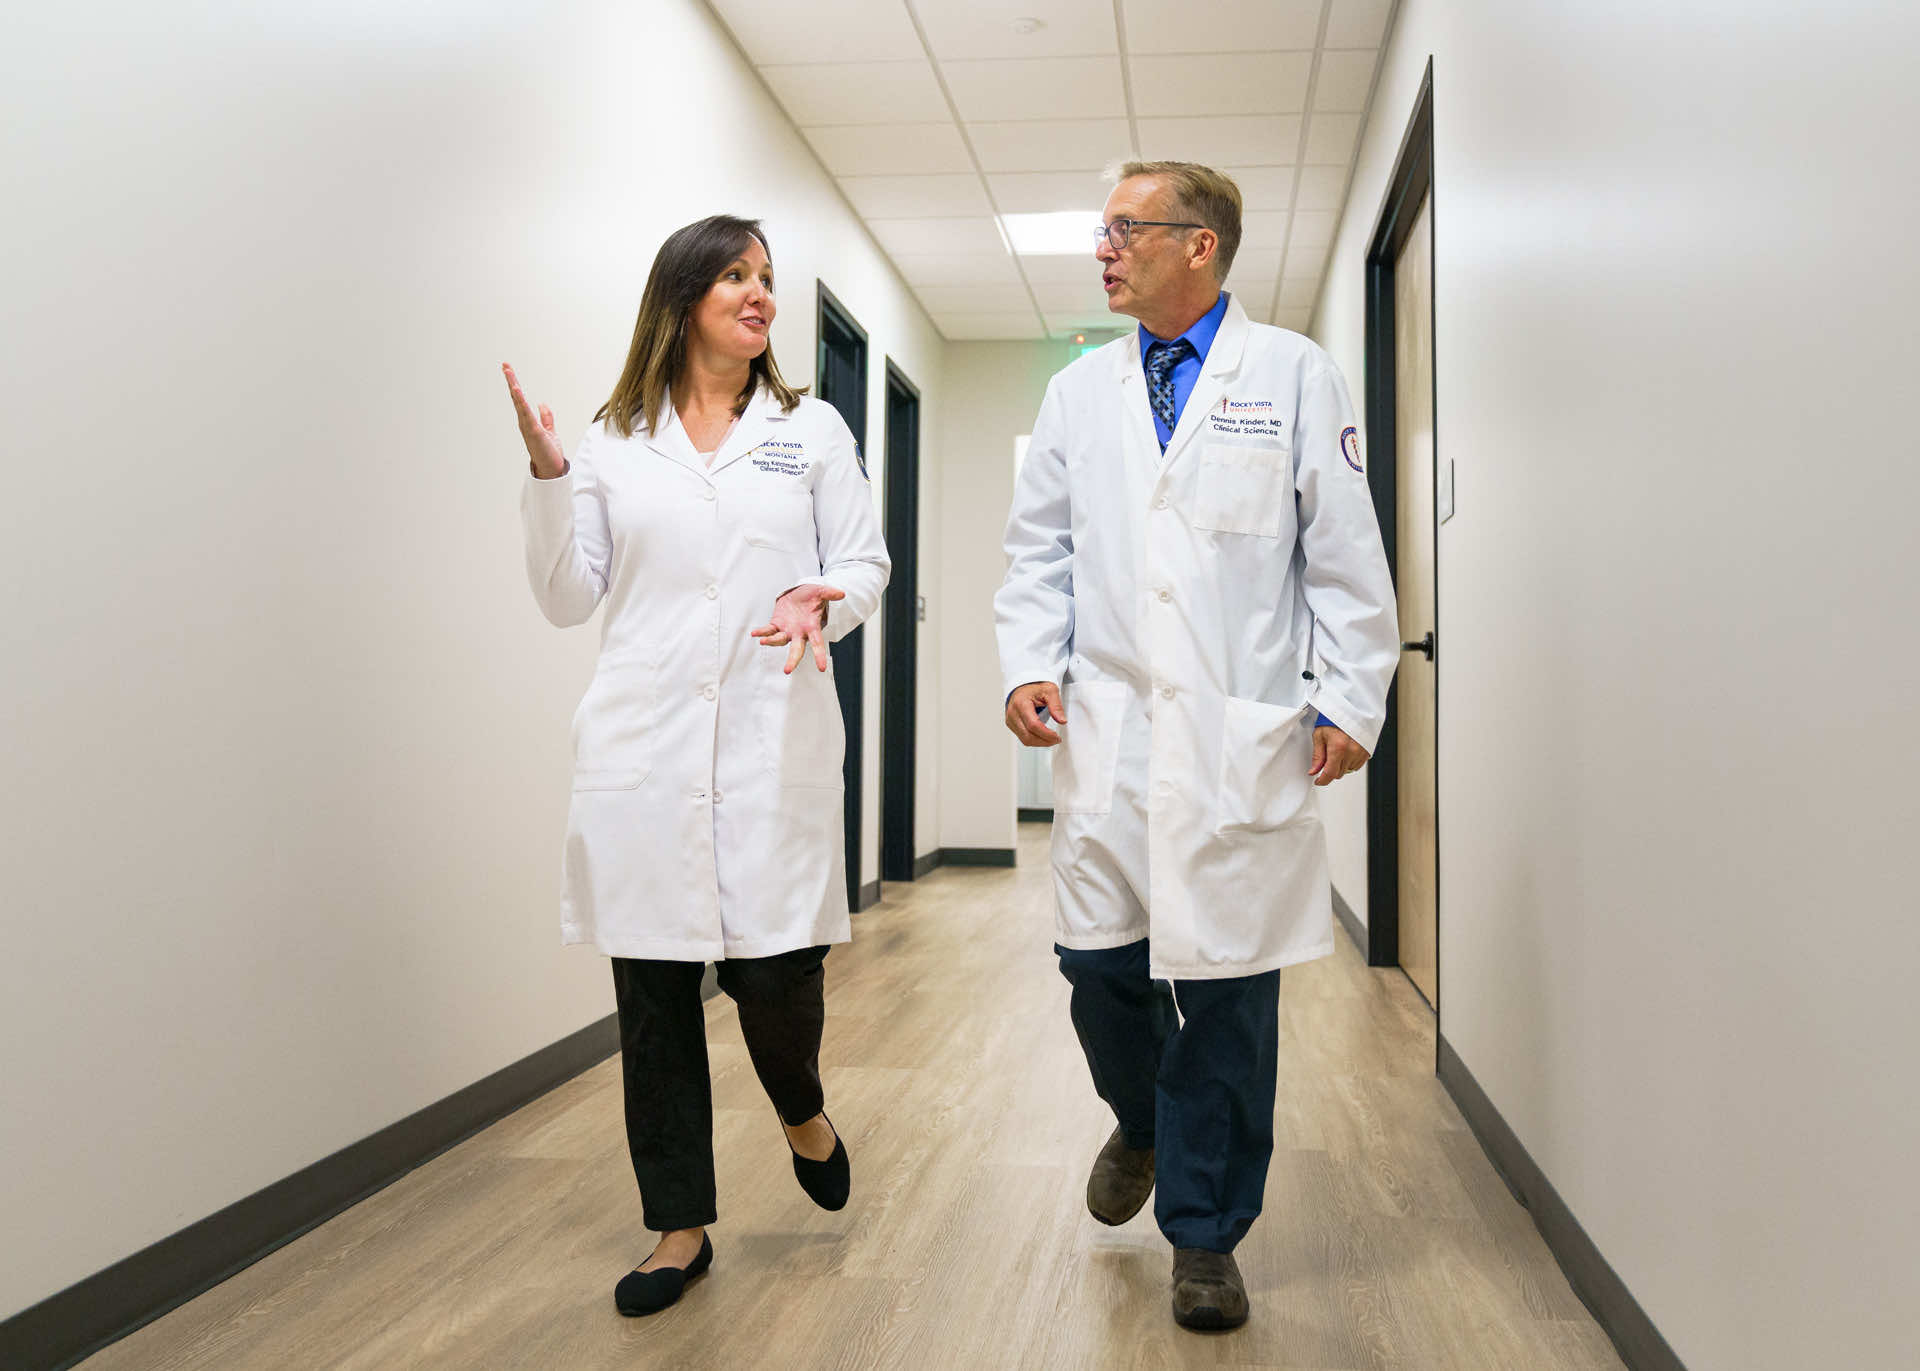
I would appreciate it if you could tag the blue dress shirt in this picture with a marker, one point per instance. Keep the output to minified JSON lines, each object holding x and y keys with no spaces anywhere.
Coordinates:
{"x":1186,"y":371}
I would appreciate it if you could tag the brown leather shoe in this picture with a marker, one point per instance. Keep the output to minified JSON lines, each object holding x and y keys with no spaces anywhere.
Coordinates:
{"x":1121,"y":1180}
{"x":1207,"y":1289}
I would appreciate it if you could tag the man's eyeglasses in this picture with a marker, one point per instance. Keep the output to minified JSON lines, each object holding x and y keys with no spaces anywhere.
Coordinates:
{"x":1120,"y":231}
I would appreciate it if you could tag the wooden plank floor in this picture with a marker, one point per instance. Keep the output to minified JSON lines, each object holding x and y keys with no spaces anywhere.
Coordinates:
{"x":953,"y":1073}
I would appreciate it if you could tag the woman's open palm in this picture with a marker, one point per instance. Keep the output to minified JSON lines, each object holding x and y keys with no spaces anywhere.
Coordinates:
{"x":536,"y":431}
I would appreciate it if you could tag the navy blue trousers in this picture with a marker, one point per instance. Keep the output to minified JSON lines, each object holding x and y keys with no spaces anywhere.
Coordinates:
{"x":1189,"y":1069}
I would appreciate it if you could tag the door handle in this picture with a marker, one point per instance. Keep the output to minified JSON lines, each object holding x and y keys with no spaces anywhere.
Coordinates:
{"x":1425,"y":645}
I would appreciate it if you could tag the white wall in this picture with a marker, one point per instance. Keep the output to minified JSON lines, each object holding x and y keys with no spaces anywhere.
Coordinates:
{"x":285,"y":736}
{"x":996,"y":389}
{"x":1675,"y":369}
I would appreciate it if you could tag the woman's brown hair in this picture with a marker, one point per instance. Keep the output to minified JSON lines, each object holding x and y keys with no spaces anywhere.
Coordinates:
{"x":685,"y":268}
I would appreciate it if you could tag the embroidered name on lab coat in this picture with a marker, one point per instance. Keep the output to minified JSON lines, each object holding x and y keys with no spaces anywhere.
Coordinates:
{"x":781,"y":459}
{"x":1255,"y":419}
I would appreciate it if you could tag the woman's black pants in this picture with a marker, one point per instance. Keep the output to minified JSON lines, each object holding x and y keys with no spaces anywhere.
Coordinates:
{"x":663,"y":1057}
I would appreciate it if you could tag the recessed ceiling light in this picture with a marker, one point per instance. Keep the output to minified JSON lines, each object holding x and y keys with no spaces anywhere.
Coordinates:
{"x":1064,"y":233}
{"x":1028,"y":24}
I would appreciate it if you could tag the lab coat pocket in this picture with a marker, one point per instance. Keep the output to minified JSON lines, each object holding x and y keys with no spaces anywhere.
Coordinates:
{"x":780,"y":519}
{"x":801,"y":733}
{"x":1243,"y":488}
{"x":610,"y":744}
{"x":1089,"y":750}
{"x":1265,"y":751}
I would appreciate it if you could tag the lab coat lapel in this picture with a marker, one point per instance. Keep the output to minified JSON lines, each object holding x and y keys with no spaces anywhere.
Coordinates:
{"x":1223,"y":360}
{"x":757,"y":424}
{"x":672,"y":442}
{"x":1140,"y":442}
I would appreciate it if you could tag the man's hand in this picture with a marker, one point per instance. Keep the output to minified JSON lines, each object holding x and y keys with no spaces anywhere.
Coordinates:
{"x":798,"y":617}
{"x":1023,"y":713}
{"x":1335,"y":755}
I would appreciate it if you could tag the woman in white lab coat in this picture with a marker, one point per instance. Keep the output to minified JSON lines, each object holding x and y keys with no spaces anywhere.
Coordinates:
{"x":721,"y":517}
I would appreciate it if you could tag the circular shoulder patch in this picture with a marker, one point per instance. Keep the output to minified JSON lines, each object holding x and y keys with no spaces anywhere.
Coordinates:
{"x":1350,"y":447}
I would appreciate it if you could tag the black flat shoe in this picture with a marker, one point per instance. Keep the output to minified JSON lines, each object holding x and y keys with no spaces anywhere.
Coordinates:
{"x":827,"y":1183}
{"x":648,"y":1292}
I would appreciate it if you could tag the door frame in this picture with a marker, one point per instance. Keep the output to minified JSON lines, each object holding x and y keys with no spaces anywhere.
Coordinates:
{"x":900,"y":636}
{"x":1410,"y":184}
{"x":849,"y":654}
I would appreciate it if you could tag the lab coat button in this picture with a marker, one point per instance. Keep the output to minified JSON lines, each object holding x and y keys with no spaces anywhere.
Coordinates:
{"x":707,"y":494}
{"x":716,"y":797}
{"x":1166,"y":692}
{"x":710,"y":692}
{"x":1165,"y":595}
{"x":713,"y":592}
{"x":1161,"y":503}
{"x":699,"y":794}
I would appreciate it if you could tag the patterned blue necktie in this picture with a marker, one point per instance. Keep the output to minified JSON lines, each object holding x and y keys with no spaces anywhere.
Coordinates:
{"x":1161,"y":360}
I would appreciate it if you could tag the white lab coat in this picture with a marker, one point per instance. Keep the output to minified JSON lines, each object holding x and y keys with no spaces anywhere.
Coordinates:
{"x":1178,"y":603}
{"x":706,"y":814}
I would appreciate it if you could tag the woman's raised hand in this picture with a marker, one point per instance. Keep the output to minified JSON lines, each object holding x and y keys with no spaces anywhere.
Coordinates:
{"x":543,"y":447}
{"x":798,"y":618}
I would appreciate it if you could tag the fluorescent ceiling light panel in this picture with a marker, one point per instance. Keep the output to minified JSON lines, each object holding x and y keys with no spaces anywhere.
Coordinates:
{"x":1063,"y":233}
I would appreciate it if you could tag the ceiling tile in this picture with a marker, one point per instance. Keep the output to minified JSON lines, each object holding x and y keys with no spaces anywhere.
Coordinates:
{"x":859,"y":92}
{"x":1061,"y":298}
{"x":975,"y":299}
{"x":1295,"y":319}
{"x":1255,"y":264}
{"x":1063,"y":271}
{"x":963,"y":327}
{"x":984,"y":28}
{"x":1251,"y":294}
{"x":1042,"y":192}
{"x":1263,"y":187}
{"x":770,"y":31}
{"x":1312,"y":228}
{"x":1258,"y":311}
{"x":1358,"y":23}
{"x":1221,"y":83}
{"x":1298,"y":292}
{"x":1219,"y":25}
{"x":915,"y":197}
{"x":976,"y":235}
{"x":1086,"y":321}
{"x":1050,"y":144}
{"x":1250,"y":140}
{"x":1037,"y":88}
{"x":889,"y":149}
{"x":1344,"y":78}
{"x":954,"y":269}
{"x":1330,"y":139}
{"x":1322,"y":187}
{"x":1304,"y":260}
{"x":1263,"y":228}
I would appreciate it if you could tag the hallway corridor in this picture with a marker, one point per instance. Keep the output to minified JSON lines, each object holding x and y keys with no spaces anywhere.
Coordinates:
{"x":1388,"y":1240}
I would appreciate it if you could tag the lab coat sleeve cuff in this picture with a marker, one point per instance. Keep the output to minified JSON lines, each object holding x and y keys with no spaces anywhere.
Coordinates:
{"x":549,"y":499}
{"x":840,"y":616}
{"x":1343,"y":716}
{"x":1017,"y":679}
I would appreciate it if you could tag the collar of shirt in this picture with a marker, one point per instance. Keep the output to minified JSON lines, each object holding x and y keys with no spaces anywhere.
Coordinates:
{"x":1187,"y":370}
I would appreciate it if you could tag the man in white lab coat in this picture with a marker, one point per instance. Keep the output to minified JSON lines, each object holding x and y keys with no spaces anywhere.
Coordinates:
{"x":1198,"y":614}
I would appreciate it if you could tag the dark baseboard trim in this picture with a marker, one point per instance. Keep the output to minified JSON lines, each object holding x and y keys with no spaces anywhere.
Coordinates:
{"x":1596,"y":1283}
{"x":869,"y":896}
{"x":106,"y":1306}
{"x":922,"y":865}
{"x":1036,"y":816}
{"x":976,"y":856}
{"x":1351,"y":922}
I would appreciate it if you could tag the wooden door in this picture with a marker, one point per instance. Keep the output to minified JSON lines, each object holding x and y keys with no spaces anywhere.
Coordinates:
{"x":1414,"y":479}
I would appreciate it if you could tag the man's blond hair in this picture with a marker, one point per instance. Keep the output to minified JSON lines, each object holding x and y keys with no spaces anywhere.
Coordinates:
{"x":1201,"y":194}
